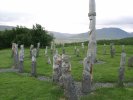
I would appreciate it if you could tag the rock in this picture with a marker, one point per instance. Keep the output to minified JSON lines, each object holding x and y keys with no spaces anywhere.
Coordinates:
{"x":21,"y":59}
{"x":122,"y":69}
{"x":56,"y":67}
{"x":33,"y":67}
{"x":66,"y":80}
{"x":87,"y":75}
{"x":130,"y":62}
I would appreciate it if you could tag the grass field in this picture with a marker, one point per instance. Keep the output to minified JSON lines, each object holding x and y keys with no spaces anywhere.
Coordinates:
{"x":106,"y":72}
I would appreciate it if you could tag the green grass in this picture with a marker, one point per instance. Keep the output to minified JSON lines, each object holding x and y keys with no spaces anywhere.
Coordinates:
{"x":110,"y":94}
{"x":106,"y":72}
{"x":17,"y":87}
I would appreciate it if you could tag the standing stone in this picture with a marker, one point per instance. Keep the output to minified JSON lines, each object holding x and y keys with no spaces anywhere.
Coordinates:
{"x":15,"y":56}
{"x":92,"y":49}
{"x":51,"y":47}
{"x":66,"y":80}
{"x":112,"y":50}
{"x":92,"y":46}
{"x":123,"y":48}
{"x":104,"y":49}
{"x":13,"y":46}
{"x":87,"y":75}
{"x":78,"y":52}
{"x":21,"y":59}
{"x":75,"y":50}
{"x":83,"y":48}
{"x":49,"y":61}
{"x":63,"y":49}
{"x":33,"y":66}
{"x":38,"y":49}
{"x":56,"y":67}
{"x":46,"y":51}
{"x":122,"y":69}
{"x":31,"y":48}
{"x":130,"y":62}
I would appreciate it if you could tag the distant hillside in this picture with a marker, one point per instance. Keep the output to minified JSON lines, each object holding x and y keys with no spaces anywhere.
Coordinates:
{"x":124,"y":41}
{"x":4,"y":27}
{"x":104,"y":33}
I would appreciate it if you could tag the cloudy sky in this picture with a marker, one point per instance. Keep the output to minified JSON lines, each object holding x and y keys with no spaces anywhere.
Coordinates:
{"x":69,"y":16}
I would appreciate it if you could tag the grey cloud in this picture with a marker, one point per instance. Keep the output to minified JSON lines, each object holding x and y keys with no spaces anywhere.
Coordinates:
{"x":118,"y":21}
{"x":11,"y":17}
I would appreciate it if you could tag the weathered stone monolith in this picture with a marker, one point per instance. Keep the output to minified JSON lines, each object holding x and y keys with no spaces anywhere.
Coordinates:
{"x":83,"y":48}
{"x":130,"y":62}
{"x":123,"y":48}
{"x":92,"y":46}
{"x":13,"y":45}
{"x":31,"y":48}
{"x":87,"y":75}
{"x":46,"y":51}
{"x":33,"y":66}
{"x":75,"y":50}
{"x":49,"y":61}
{"x":112,"y":50}
{"x":63,"y":49}
{"x":92,"y":49}
{"x":16,"y":56}
{"x":66,"y":80}
{"x":122,"y":69}
{"x":38,"y":49}
{"x":21,"y":59}
{"x":77,"y":53}
{"x":104,"y":49}
{"x":56,"y":67}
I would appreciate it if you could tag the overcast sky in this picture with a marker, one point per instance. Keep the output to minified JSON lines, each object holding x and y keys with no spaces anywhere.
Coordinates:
{"x":69,"y":16}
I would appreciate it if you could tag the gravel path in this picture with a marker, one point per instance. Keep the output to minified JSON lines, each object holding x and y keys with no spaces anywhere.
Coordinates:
{"x":8,"y":70}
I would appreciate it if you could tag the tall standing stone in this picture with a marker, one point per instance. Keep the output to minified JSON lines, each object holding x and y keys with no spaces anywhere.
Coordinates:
{"x":104,"y":49}
{"x":63,"y":48}
{"x":112,"y":50}
{"x":53,"y":49}
{"x":122,"y":69}
{"x":31,"y":48}
{"x":49,"y":61}
{"x":83,"y":48}
{"x":46,"y":51}
{"x":123,"y":48}
{"x":75,"y":50}
{"x":56,"y":67}
{"x":92,"y":46}
{"x":52,"y":43}
{"x":66,"y":80}
{"x":13,"y":45}
{"x":38,"y":49}
{"x":21,"y":59}
{"x":87,"y":75}
{"x":92,"y":49}
{"x":33,"y":66}
{"x":15,"y":56}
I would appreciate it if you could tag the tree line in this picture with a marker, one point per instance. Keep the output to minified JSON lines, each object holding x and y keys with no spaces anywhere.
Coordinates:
{"x":26,"y":36}
{"x":124,"y":41}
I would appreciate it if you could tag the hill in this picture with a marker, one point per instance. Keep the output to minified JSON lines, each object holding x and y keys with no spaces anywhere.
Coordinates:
{"x":101,"y":34}
{"x":4,"y":27}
